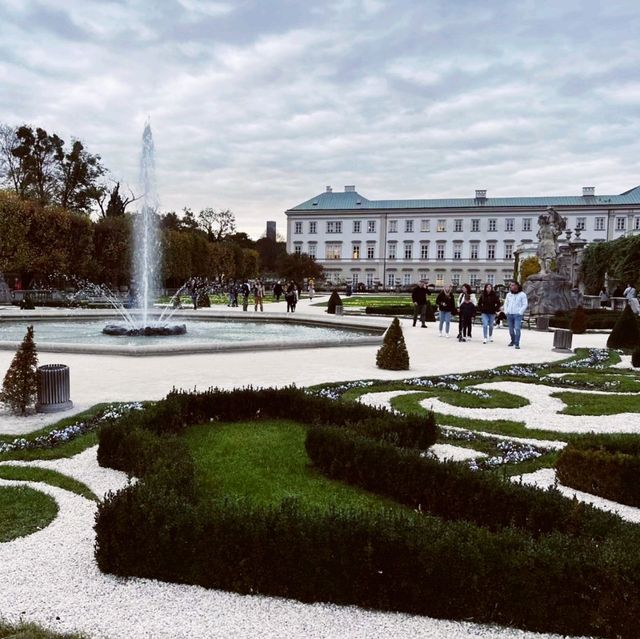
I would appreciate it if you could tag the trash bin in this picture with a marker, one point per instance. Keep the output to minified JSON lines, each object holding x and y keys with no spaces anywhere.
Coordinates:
{"x":339,"y":309}
{"x":562,"y":340}
{"x":53,"y":388}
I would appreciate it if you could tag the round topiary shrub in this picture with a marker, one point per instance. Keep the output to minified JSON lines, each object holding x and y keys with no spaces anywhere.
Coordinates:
{"x":393,"y":354}
{"x":635,"y":357}
{"x":579,"y":321}
{"x":204,"y":301}
{"x":334,"y":301}
{"x":625,"y":334}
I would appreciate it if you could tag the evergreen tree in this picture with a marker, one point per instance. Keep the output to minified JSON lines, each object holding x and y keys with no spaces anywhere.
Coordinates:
{"x":635,"y":357}
{"x":20,"y":385}
{"x":393,"y":354}
{"x":625,"y":333}
{"x":579,"y":321}
{"x":334,"y":301}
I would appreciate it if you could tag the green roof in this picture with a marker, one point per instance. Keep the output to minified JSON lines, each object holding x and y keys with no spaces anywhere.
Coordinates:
{"x":352,"y":200}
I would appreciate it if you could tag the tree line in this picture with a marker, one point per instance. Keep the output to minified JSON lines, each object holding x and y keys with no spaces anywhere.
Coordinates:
{"x":48,"y":191}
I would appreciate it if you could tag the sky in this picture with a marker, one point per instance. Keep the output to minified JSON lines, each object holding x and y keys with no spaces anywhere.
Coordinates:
{"x":257,"y":105}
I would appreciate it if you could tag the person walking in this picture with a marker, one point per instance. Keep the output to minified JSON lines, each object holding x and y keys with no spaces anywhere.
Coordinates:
{"x":258,"y":295}
{"x":446,"y":308}
{"x":245,"y":289}
{"x":277,"y":291}
{"x":290,"y":297}
{"x":488,"y":306}
{"x":604,"y":298}
{"x":515,"y":305}
{"x":632,"y":298}
{"x":419,"y":299}
{"x":466,"y":290}
{"x":311,"y":287}
{"x":467,"y":312}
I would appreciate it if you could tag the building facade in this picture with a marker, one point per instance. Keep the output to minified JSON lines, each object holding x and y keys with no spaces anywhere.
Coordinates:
{"x":391,"y":243}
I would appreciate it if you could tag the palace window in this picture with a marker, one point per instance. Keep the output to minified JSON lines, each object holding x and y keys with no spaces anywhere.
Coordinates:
{"x":371,"y":250}
{"x":475,"y":225}
{"x":393,"y":226}
{"x":473,"y":255}
{"x":391,"y":254}
{"x":297,"y":228}
{"x":356,"y":226}
{"x":508,"y":250}
{"x":510,"y":224}
{"x":457,"y":226}
{"x":334,"y":227}
{"x":408,"y":251}
{"x":440,"y":249}
{"x":313,"y":227}
{"x":491,"y":251}
{"x":599,"y":224}
{"x":581,"y":223}
{"x":425,"y":226}
{"x":457,"y":250}
{"x":332,"y":251}
{"x":424,"y":251}
{"x":442,"y":226}
{"x":621,"y":223}
{"x":371,"y":226}
{"x":355,"y":252}
{"x":526,"y":223}
{"x":408,"y":226}
{"x":493,"y":225}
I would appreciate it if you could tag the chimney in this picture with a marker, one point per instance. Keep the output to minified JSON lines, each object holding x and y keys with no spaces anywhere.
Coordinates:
{"x":588,"y":191}
{"x":481,"y":194}
{"x":329,"y":190}
{"x":350,"y":188}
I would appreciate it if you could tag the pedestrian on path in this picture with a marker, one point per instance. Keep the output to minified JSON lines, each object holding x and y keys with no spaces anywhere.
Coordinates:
{"x":446,"y":308}
{"x":515,"y":305}
{"x":245,"y":289}
{"x":632,"y":298}
{"x":466,"y":290}
{"x":467,"y":312}
{"x":488,"y":305}
{"x":258,"y":295}
{"x":419,"y":299}
{"x":277,"y":291}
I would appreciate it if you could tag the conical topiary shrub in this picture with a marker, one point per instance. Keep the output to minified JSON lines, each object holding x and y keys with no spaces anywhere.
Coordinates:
{"x":393,"y":354}
{"x":20,"y":385}
{"x":635,"y":357}
{"x":334,"y":301}
{"x":625,"y":333}
{"x":579,"y":321}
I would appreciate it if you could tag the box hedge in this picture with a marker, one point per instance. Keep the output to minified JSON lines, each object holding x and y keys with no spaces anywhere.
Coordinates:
{"x":603,"y":465}
{"x":577,"y":579}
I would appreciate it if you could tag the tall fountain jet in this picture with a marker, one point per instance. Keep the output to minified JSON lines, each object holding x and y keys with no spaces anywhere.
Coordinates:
{"x":146,"y":245}
{"x":146,"y":260}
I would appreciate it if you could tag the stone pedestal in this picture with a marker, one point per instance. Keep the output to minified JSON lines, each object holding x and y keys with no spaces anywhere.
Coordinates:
{"x":5,"y":293}
{"x":562,"y":340}
{"x":550,"y":293}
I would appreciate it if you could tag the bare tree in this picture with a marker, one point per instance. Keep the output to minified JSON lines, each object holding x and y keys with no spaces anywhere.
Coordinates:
{"x":12,"y":168}
{"x":217,"y":224}
{"x":116,"y":205}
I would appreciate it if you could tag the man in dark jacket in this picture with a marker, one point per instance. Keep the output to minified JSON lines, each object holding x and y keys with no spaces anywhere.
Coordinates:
{"x":419,"y":299}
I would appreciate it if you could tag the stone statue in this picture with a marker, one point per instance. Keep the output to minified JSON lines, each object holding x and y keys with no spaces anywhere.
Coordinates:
{"x":5,"y":293}
{"x":550,"y":226}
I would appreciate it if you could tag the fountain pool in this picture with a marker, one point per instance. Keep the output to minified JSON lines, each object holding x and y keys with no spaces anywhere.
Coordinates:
{"x":83,"y":334}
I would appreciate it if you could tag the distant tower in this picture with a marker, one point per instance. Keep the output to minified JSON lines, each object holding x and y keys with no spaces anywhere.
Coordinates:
{"x":271,"y":231}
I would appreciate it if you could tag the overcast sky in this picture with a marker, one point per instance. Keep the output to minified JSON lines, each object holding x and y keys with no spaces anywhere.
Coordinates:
{"x":256,"y":105}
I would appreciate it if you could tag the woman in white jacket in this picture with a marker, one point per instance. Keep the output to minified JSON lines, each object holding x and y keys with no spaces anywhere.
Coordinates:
{"x":515,"y":305}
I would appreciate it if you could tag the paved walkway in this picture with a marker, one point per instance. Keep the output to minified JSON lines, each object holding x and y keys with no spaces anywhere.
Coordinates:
{"x":105,"y":378}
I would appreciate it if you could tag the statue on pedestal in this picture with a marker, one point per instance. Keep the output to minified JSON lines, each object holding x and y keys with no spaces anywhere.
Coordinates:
{"x":5,"y":293}
{"x":550,"y":226}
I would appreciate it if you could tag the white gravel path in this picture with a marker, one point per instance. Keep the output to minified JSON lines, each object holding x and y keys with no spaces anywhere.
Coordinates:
{"x":449,"y":452}
{"x":543,"y":411}
{"x":83,"y":467}
{"x":546,"y":477}
{"x":51,"y":578}
{"x":383,"y":400}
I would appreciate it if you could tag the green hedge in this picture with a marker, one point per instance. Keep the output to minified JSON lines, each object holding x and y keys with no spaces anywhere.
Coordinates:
{"x":604,"y":465}
{"x":577,"y":579}
{"x":448,"y":490}
{"x":417,"y":565}
{"x":400,"y":309}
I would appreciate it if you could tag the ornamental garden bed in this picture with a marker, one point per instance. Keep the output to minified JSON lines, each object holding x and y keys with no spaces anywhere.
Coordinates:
{"x":472,"y":545}
{"x":605,"y":465}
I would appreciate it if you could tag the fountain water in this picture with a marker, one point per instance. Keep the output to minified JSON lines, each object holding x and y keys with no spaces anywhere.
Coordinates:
{"x":147,"y":255}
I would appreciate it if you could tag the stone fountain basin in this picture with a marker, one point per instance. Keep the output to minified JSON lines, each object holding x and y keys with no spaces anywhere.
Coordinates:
{"x":250,"y":332}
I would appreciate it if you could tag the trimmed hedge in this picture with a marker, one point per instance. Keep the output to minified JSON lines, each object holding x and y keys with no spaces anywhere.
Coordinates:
{"x":448,"y":490}
{"x":604,"y":465}
{"x":400,"y":309}
{"x":566,"y":569}
{"x":410,"y":564}
{"x":127,"y":445}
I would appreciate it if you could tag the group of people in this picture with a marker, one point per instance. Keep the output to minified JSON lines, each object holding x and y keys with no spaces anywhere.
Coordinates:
{"x":467,"y":306}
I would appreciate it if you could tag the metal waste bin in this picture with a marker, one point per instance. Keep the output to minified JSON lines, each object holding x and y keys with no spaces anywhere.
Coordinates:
{"x":53,"y":388}
{"x":562,"y":340}
{"x":339,"y":309}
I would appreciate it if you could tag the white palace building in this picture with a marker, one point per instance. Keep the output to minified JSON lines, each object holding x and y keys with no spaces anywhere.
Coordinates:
{"x":400,"y":242}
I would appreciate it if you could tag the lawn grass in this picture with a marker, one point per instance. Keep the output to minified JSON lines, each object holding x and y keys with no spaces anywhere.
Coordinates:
{"x":31,"y":631}
{"x":266,"y":462}
{"x":23,"y":511}
{"x":602,"y":380}
{"x":47,"y":476}
{"x":591,"y":404}
{"x":371,"y":300}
